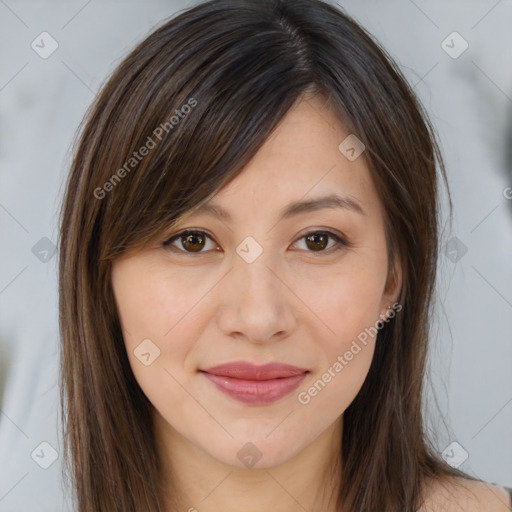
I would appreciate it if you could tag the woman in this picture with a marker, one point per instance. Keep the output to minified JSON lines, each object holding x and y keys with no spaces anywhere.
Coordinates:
{"x":248,"y":255}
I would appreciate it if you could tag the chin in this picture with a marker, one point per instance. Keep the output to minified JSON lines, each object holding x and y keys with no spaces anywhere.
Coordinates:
{"x":256,"y":451}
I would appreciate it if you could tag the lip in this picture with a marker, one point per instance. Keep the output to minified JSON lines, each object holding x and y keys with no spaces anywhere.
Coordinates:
{"x":255,"y":384}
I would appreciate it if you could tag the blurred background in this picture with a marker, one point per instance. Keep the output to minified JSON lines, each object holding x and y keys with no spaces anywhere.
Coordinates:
{"x":54,"y":55}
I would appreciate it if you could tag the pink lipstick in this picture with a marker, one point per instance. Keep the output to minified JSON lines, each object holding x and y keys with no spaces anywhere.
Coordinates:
{"x":254,"y":384}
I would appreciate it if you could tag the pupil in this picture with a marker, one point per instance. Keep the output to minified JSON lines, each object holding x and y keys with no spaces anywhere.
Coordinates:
{"x":190,"y":239}
{"x":319,"y":241}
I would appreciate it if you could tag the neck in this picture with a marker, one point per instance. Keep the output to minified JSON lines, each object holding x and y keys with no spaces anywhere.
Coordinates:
{"x":195,"y":481}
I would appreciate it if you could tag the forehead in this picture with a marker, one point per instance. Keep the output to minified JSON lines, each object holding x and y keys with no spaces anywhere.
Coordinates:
{"x":300,"y":160}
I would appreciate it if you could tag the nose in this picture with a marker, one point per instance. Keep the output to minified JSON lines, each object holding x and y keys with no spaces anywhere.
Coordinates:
{"x":256,"y":304}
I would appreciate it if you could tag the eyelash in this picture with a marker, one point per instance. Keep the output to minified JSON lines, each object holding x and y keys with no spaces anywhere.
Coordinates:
{"x":341,"y":241}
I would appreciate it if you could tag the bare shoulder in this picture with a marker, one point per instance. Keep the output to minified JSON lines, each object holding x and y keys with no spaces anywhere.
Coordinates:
{"x":461,"y":494}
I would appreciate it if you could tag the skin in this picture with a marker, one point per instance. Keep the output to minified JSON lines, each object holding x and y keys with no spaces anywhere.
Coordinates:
{"x":292,"y":304}
{"x":463,"y":495}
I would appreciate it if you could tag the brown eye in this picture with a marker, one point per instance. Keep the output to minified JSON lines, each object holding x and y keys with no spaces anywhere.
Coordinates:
{"x":193,"y":242}
{"x":317,"y":241}
{"x":189,"y":241}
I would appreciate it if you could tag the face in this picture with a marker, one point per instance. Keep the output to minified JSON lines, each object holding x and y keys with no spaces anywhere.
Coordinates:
{"x":258,"y":286}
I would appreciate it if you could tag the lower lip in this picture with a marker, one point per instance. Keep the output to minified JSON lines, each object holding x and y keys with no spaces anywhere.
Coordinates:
{"x":256,"y":391}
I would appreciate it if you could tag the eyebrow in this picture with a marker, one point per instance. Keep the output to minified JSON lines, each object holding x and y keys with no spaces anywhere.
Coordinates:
{"x":293,"y":209}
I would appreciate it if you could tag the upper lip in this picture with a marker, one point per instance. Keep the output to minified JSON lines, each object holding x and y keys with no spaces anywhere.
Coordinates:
{"x":249,"y":371}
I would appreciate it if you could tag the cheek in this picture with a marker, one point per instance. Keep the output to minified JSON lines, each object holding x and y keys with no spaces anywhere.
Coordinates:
{"x":347,"y":302}
{"x":153,"y":300}
{"x":346,"y":298}
{"x":160,"y":315}
{"x":161,"y":318}
{"x":351,"y":313}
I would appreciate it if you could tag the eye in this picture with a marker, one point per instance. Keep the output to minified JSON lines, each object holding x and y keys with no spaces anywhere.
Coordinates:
{"x":194,"y":241}
{"x":190,"y":241}
{"x":318,"y":241}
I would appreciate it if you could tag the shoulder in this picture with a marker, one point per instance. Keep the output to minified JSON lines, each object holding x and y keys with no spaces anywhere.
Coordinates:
{"x":464,"y":495}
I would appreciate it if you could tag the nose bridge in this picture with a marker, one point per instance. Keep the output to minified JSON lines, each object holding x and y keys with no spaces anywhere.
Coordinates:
{"x":252,"y":263}
{"x":255,"y":303}
{"x":254,"y":280}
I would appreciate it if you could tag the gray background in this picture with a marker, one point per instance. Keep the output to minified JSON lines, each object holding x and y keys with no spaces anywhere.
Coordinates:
{"x":470,"y":101}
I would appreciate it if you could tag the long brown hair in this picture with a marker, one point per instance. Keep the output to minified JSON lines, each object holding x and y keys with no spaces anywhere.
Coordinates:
{"x":201,"y":94}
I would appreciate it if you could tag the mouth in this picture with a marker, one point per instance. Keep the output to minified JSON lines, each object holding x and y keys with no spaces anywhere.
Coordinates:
{"x":254,"y":384}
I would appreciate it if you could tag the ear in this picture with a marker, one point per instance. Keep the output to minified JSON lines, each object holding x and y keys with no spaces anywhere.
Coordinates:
{"x":393,"y":286}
